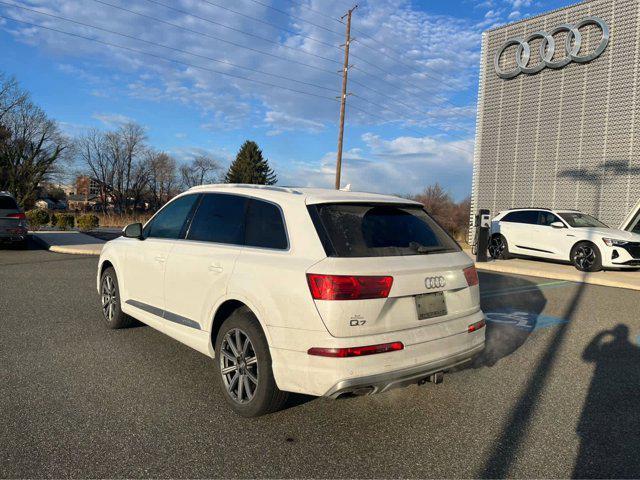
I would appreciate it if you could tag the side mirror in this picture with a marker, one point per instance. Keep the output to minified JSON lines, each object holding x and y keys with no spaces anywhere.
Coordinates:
{"x":558,"y":225}
{"x":133,"y":230}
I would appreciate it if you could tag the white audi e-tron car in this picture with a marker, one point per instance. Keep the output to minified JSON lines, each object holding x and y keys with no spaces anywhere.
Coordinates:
{"x":565,"y":235}
{"x":315,"y":291}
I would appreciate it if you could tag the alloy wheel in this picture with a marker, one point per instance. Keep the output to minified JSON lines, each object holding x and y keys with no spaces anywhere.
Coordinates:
{"x":109,"y":298}
{"x":584,"y":257}
{"x":239,"y":366}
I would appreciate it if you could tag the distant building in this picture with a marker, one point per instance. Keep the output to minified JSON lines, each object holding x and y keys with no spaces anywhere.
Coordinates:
{"x":87,"y":186}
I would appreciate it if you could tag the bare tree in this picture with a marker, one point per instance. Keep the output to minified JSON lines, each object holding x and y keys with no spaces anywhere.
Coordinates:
{"x":91,"y":149}
{"x":201,"y":170}
{"x":115,"y":159}
{"x":162,"y":177}
{"x":10,"y":95}
{"x":31,"y":146}
{"x":453,"y":216}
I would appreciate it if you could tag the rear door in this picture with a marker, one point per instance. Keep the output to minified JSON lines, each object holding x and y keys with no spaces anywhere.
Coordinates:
{"x":199,"y":266}
{"x":520,"y":228}
{"x":428,"y":284}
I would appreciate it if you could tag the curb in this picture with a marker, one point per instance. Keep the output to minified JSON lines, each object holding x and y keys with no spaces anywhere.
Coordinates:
{"x":570,"y":277}
{"x":62,"y":249}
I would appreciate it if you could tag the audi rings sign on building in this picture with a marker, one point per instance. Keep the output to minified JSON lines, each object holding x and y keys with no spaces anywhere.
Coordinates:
{"x":572,"y":45}
{"x":434,"y":282}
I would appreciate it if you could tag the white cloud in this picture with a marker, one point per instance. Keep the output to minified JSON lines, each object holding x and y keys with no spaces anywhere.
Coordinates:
{"x":112,"y":120}
{"x":439,"y":56}
{"x":398,"y":165}
{"x":280,"y":122}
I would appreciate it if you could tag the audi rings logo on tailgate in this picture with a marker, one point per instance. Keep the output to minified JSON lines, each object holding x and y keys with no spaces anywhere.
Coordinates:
{"x":572,"y":45}
{"x":434,"y":282}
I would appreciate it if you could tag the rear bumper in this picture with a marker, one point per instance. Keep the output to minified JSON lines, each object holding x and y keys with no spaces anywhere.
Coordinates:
{"x":13,"y":237}
{"x":427,"y":350}
{"x":400,"y":378}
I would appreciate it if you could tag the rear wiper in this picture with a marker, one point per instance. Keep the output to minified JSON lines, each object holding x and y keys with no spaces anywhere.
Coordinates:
{"x":424,"y":249}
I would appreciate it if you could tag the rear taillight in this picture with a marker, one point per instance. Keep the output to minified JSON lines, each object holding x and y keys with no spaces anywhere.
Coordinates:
{"x":356,"y":351}
{"x":21,"y":216}
{"x":476,"y":326}
{"x":471,"y":274}
{"x":348,"y":287}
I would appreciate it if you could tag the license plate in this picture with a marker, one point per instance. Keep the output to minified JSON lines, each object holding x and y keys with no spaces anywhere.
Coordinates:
{"x":430,"y":305}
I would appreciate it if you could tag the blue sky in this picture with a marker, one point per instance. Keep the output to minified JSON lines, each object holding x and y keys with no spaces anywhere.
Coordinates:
{"x":410,"y":118}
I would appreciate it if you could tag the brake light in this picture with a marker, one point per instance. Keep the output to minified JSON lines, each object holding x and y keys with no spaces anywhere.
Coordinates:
{"x":476,"y":326}
{"x":21,"y":216}
{"x":471,"y":274}
{"x":356,"y":351}
{"x":348,"y":287}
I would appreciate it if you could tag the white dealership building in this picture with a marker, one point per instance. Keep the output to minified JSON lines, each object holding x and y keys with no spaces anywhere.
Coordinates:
{"x":558,"y":123}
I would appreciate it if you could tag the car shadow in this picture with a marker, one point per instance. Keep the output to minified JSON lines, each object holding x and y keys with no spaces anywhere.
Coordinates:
{"x":512,"y":307}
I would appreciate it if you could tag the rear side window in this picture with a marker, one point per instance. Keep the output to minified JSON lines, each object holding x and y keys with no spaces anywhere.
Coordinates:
{"x":7,"y":203}
{"x":171,"y":220}
{"x":219,"y":219}
{"x":523,"y":216}
{"x":379,"y":230}
{"x":265,"y":227}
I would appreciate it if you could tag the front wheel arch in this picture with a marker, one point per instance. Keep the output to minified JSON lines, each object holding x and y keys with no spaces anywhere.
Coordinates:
{"x":598,"y":262}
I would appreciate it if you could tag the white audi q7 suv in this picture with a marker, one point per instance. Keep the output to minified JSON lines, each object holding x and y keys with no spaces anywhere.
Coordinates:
{"x":313,"y":291}
{"x":565,"y":235}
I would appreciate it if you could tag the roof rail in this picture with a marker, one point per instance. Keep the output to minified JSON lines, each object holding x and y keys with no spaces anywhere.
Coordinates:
{"x":248,"y":185}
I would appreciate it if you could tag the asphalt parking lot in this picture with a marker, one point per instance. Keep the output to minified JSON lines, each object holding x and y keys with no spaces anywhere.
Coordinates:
{"x":556,"y":394}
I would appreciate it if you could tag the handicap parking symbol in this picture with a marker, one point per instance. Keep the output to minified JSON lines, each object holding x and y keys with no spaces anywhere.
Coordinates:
{"x":523,"y":320}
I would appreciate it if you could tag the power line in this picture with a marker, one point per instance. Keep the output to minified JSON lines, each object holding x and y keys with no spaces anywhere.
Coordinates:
{"x":309,"y":37}
{"x":160,"y":57}
{"x":205,"y":34}
{"x":377,"y":67}
{"x":297,"y":49}
{"x":393,"y":99}
{"x":272,"y":55}
{"x":268,"y":40}
{"x":369,"y":37}
{"x":179,"y":62}
{"x":258,"y":2}
{"x":168,"y":47}
{"x":317,"y":12}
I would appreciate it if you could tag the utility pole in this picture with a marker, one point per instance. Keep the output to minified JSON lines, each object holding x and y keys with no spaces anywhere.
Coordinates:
{"x":343,"y":99}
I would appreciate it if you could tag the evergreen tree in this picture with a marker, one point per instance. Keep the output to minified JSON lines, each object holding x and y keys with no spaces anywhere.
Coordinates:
{"x":250,"y":167}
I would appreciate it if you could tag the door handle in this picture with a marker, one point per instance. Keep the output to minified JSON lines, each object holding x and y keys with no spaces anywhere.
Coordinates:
{"x":216,"y":268}
{"x":160,"y":259}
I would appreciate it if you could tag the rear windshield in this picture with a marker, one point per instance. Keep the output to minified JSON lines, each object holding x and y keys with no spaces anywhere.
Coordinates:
{"x":376,"y":230}
{"x":7,"y":203}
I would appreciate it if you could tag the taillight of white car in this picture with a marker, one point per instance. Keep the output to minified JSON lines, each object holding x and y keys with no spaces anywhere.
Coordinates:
{"x":348,"y":287}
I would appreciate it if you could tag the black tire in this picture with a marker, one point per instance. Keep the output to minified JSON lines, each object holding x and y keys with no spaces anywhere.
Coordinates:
{"x":499,"y":247}
{"x":110,"y":301}
{"x":586,"y":257}
{"x":253,"y":398}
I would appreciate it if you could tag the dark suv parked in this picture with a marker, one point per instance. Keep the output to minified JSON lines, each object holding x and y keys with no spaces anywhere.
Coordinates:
{"x":13,"y":222}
